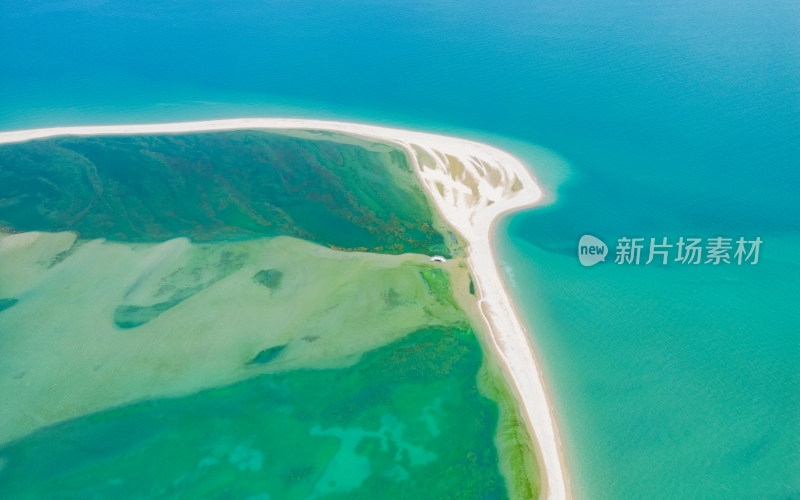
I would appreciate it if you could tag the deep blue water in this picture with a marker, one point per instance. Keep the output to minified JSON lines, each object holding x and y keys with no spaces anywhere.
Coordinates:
{"x":668,"y":119}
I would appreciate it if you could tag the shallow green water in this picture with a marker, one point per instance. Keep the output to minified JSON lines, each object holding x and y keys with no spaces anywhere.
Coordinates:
{"x":407,"y":421}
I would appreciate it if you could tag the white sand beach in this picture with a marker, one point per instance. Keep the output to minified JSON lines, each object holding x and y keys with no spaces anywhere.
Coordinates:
{"x":472,"y":184}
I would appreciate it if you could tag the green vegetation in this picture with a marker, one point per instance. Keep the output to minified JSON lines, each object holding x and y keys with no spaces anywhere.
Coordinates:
{"x":438,"y":283}
{"x":347,"y":194}
{"x":515,"y":447}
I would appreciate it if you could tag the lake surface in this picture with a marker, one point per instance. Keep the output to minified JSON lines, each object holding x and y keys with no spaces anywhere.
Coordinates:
{"x":667,"y":120}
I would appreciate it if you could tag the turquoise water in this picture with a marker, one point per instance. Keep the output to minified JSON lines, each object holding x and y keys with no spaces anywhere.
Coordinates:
{"x":681,"y":118}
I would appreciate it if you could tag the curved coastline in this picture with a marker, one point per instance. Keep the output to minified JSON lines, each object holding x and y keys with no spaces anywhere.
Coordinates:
{"x":473,"y":185}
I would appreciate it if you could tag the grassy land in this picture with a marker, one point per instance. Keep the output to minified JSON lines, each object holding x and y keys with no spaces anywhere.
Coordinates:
{"x":515,"y":447}
{"x":343,"y":193}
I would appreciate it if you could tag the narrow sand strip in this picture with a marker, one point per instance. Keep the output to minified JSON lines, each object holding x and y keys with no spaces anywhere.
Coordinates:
{"x":472,"y":184}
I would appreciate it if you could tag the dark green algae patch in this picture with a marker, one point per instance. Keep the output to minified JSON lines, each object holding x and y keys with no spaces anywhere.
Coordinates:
{"x":407,"y":421}
{"x":270,"y":278}
{"x":219,"y":186}
{"x":268,"y":355}
{"x":7,"y":303}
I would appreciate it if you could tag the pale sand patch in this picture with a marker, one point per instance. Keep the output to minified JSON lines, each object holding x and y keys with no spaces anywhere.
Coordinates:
{"x":471,"y":193}
{"x":64,"y":355}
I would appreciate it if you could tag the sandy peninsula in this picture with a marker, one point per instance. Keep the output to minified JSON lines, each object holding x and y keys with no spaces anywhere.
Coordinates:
{"x":472,"y":184}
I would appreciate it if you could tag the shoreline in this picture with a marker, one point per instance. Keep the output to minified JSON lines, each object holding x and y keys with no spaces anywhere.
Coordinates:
{"x":472,"y":185}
